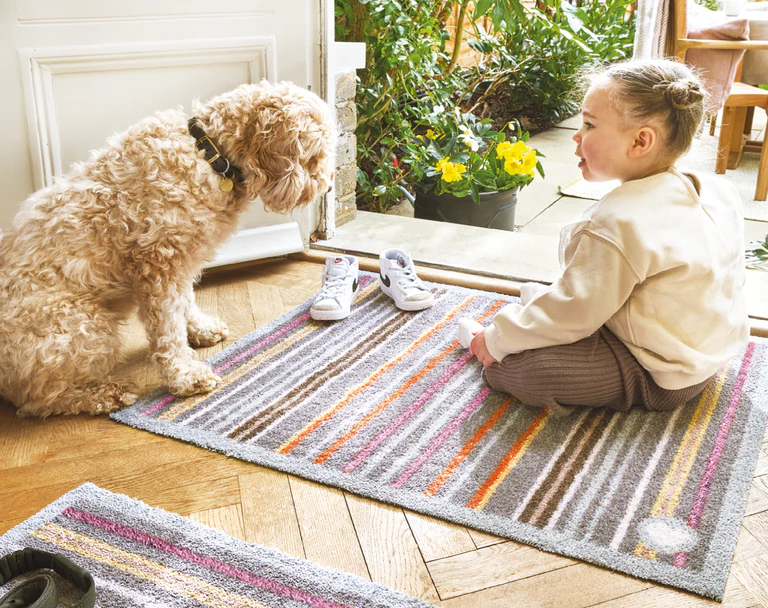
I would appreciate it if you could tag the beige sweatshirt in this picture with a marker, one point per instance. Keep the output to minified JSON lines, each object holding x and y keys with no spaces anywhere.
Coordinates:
{"x":661,"y":265}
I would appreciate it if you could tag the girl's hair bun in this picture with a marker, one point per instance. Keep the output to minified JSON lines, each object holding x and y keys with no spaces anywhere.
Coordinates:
{"x":682,"y":94}
{"x":667,"y":94}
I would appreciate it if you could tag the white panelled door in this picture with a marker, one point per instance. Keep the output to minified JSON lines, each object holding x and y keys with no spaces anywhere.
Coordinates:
{"x":75,"y":71}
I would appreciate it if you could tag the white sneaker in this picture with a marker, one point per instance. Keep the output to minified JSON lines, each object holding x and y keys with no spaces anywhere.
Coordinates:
{"x":338,"y":290}
{"x":467,"y":329}
{"x":399,"y":281}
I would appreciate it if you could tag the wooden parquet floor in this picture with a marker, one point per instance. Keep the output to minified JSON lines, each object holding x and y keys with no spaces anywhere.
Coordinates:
{"x":445,"y":564}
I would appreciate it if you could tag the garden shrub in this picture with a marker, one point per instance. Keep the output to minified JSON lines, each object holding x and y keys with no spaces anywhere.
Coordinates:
{"x":527,"y":71}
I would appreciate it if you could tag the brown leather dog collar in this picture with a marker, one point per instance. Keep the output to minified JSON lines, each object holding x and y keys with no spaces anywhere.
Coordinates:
{"x":221,"y":165}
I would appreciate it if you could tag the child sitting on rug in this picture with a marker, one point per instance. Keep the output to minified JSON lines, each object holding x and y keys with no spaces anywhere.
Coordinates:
{"x":651,"y":301}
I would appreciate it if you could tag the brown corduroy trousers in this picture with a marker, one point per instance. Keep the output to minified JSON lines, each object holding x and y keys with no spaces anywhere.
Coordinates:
{"x":598,"y":371}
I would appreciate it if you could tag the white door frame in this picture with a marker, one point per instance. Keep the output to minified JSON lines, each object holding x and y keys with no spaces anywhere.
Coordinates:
{"x":336,"y":58}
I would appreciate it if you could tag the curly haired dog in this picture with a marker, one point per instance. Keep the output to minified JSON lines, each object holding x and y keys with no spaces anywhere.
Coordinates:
{"x":133,"y":226}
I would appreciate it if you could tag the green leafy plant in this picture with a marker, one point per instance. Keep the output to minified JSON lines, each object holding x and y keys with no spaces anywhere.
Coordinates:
{"x":461,"y":155}
{"x":530,"y":57}
{"x":530,"y":67}
{"x":710,"y":4}
{"x":757,"y":258}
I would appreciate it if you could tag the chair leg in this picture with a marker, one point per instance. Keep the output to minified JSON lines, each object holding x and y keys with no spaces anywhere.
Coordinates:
{"x":761,"y":192}
{"x":738,"y":138}
{"x":748,"y":122}
{"x":724,"y":144}
{"x":712,"y":124}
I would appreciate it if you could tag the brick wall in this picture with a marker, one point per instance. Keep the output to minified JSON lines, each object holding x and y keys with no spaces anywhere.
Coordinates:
{"x":346,"y":153}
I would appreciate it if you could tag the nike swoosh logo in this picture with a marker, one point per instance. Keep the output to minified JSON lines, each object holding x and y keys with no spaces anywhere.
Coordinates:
{"x":385,"y":280}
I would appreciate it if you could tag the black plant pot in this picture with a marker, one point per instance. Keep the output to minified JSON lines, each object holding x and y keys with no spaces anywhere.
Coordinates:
{"x":496,"y":209}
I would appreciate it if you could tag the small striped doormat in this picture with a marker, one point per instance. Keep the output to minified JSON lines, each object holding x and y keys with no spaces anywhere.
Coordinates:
{"x":141,"y":556}
{"x":386,"y":404}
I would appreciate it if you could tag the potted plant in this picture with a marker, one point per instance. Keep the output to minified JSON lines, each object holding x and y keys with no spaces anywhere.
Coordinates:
{"x":467,"y":173}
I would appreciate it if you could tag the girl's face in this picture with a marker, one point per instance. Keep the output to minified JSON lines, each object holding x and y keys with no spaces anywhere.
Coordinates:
{"x":603,"y":141}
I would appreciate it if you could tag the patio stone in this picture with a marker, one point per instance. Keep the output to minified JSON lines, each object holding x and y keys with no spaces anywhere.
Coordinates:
{"x":574,"y":122}
{"x":755,"y":231}
{"x":560,"y":169}
{"x":499,"y":253}
{"x":558,"y":147}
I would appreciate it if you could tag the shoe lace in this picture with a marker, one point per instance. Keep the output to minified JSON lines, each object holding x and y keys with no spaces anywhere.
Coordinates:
{"x":333,"y":287}
{"x":407,"y":278}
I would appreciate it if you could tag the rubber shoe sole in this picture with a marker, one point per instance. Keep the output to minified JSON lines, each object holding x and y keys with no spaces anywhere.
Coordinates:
{"x":332,"y":315}
{"x":408,"y":306}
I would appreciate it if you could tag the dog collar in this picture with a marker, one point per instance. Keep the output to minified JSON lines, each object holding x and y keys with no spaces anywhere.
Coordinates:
{"x":40,"y":591}
{"x":218,"y":163}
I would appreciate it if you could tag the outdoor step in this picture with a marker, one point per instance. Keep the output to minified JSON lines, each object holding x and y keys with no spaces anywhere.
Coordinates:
{"x":515,"y":256}
{"x":499,"y":253}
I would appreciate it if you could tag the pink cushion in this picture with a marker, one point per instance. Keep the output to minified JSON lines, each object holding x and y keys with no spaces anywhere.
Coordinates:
{"x":718,"y":66}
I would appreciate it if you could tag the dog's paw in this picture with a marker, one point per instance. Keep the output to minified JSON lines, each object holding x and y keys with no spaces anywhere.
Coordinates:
{"x":206,"y":331}
{"x":95,"y":400}
{"x":193,"y":377}
{"x":109,"y":398}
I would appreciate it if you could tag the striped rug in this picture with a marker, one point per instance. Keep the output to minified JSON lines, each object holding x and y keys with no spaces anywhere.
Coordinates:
{"x":386,"y":404}
{"x":145,"y":557}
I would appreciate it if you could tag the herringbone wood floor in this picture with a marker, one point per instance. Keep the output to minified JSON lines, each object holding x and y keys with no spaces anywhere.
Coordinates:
{"x":445,"y":564}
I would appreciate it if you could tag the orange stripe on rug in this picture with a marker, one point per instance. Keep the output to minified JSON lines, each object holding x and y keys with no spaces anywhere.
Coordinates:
{"x":310,"y":428}
{"x":465,"y":451}
{"x":486,"y":491}
{"x":360,"y":424}
{"x":186,"y":405}
{"x":333,"y":448}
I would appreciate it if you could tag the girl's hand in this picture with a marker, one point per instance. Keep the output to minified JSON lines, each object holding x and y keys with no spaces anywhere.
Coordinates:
{"x":478,"y":348}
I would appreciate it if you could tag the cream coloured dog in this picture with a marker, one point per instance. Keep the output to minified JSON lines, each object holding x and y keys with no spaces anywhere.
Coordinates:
{"x":132,"y":227}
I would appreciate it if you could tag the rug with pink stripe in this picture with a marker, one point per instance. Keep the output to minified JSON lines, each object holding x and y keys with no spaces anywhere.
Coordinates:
{"x":141,"y":556}
{"x":387,"y":404}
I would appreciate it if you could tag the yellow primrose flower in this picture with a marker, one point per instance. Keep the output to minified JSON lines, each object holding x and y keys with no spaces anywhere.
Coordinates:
{"x":440,"y":166}
{"x":508,"y":150}
{"x":502,"y":149}
{"x":518,"y":149}
{"x":529,"y":161}
{"x":452,"y":172}
{"x":513,"y":167}
{"x":431,"y":134}
{"x":420,"y":137}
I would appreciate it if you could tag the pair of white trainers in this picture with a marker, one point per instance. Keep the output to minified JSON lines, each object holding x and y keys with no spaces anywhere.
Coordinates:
{"x":340,"y":284}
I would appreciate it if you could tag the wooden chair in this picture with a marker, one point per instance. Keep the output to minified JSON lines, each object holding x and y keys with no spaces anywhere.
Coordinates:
{"x":739,"y":106}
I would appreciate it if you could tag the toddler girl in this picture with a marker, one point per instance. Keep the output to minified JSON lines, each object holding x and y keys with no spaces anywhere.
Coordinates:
{"x":650,"y":304}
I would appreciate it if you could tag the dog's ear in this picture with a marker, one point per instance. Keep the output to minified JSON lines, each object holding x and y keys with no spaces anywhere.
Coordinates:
{"x":294,"y":188}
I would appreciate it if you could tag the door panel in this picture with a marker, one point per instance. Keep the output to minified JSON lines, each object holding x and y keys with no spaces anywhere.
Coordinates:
{"x":87,"y":69}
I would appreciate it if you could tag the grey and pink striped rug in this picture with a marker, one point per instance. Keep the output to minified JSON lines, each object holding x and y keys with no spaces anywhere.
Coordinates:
{"x":386,"y":404}
{"x":145,"y":557}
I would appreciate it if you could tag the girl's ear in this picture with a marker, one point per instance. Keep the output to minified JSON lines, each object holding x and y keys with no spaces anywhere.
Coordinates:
{"x":645,"y":139}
